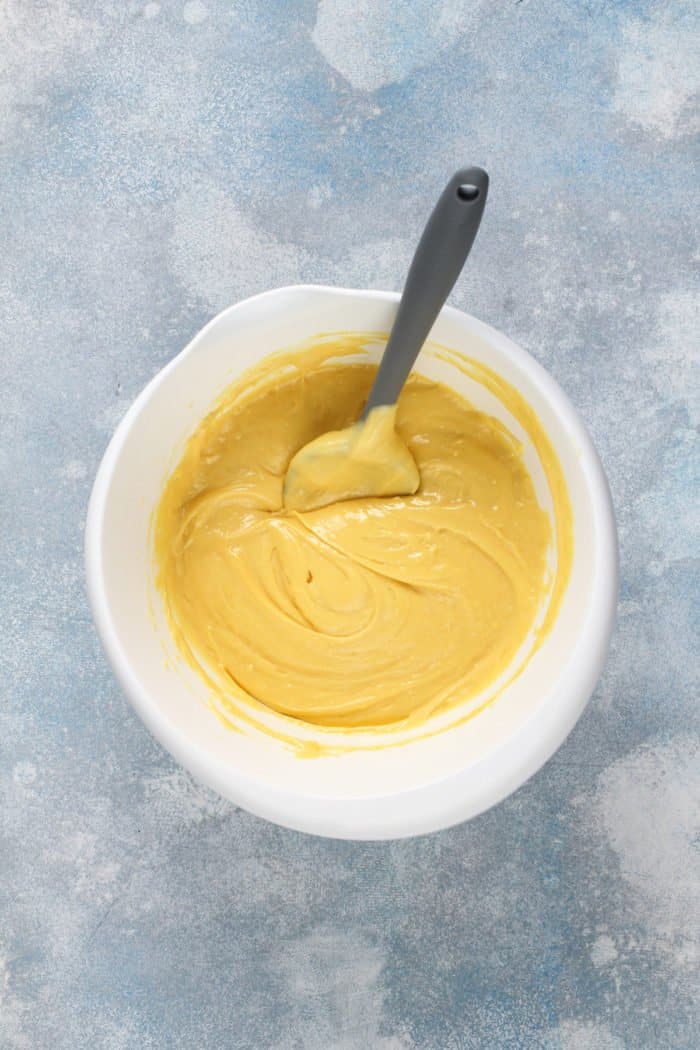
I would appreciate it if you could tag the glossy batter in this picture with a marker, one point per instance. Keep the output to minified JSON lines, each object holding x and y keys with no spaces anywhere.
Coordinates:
{"x":365,"y":613}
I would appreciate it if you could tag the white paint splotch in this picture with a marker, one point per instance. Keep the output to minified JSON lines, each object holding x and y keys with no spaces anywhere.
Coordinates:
{"x":582,"y":1035}
{"x":671,"y":363}
{"x":13,"y":1008}
{"x":648,"y":807}
{"x":373,"y":44}
{"x":658,"y":75}
{"x":24,"y":774}
{"x":670,"y":351}
{"x":194,"y":12}
{"x":373,"y":264}
{"x":176,"y":796}
{"x":39,"y":45}
{"x":603,"y":951}
{"x":78,"y":854}
{"x":219,"y":255}
{"x":342,"y":972}
{"x":73,"y":470}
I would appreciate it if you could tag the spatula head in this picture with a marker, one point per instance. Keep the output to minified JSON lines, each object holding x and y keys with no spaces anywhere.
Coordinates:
{"x":367,"y":459}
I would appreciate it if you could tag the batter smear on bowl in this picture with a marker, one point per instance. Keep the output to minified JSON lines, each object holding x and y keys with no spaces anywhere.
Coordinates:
{"x":375,"y":612}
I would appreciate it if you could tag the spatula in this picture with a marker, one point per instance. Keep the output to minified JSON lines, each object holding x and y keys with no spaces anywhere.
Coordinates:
{"x":369,"y":458}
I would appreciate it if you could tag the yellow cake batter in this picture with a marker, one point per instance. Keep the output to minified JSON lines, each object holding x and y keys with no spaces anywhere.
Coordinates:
{"x":373,"y":612}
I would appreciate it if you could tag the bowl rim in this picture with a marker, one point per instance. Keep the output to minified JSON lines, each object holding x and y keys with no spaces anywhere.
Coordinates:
{"x":441,"y":803}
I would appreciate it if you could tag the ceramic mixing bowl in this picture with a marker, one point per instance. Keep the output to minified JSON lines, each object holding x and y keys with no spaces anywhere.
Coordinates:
{"x":425,"y":782}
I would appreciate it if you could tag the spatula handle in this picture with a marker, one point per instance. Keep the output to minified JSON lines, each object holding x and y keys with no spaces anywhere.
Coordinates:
{"x":437,"y":263}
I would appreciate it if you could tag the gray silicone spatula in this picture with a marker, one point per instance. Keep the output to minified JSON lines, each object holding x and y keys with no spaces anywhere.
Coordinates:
{"x":437,"y":263}
{"x":441,"y":253}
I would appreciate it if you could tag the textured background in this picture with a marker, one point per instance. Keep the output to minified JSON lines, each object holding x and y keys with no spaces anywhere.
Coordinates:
{"x":162,"y":160}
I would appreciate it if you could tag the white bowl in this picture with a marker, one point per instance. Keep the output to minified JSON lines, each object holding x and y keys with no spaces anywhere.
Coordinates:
{"x":423,"y":785}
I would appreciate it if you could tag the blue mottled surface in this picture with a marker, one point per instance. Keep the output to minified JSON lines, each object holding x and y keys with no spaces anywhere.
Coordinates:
{"x":160,"y":161}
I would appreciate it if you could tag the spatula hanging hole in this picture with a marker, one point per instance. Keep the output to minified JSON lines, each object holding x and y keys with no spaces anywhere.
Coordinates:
{"x":467,"y":192}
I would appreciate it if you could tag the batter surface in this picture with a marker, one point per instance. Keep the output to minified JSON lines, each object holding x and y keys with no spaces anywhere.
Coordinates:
{"x":366,"y":613}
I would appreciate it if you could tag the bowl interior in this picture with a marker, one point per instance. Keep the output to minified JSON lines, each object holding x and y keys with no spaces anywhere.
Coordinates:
{"x":493,"y":751}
